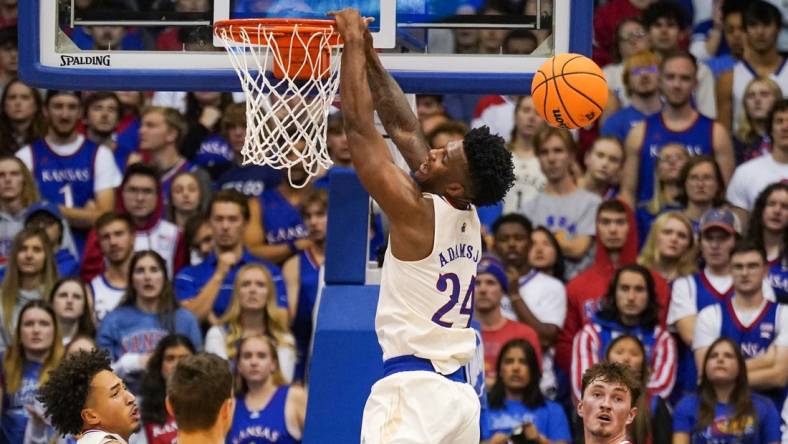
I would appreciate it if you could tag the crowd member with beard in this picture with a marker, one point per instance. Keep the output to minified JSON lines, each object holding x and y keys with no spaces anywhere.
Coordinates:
{"x":641,"y":73}
{"x":102,"y":115}
{"x":85,"y":399}
{"x":608,"y":403}
{"x":491,"y":287}
{"x":678,"y":122}
{"x":511,"y":243}
{"x":630,"y":307}
{"x":139,"y":196}
{"x":71,"y":171}
{"x":115,"y":232}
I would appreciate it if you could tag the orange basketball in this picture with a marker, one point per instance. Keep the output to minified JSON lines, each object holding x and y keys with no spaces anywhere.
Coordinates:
{"x":569,"y":91}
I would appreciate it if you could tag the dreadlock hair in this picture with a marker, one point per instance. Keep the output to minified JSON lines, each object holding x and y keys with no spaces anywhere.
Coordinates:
{"x":490,"y":165}
{"x":66,"y":392}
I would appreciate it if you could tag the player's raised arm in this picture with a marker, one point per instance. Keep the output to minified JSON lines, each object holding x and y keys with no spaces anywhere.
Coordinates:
{"x":394,"y":111}
{"x":395,"y":191}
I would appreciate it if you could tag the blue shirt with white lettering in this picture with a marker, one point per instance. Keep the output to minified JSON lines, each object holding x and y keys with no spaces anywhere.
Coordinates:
{"x":264,"y":426}
{"x":763,"y":428}
{"x":15,"y":416}
{"x":549,"y":420}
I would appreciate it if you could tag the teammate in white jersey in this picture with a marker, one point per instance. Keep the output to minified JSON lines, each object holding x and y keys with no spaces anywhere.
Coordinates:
{"x":426,"y":292}
{"x":607,"y":404}
{"x":84,"y":398}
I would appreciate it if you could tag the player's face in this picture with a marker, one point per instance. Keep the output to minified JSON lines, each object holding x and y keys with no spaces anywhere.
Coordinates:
{"x":37,"y":330}
{"x":316,"y":221}
{"x":69,"y":301}
{"x":443,"y":167}
{"x":670,"y":162}
{"x":542,"y":254}
{"x":514,"y":369}
{"x":673,"y":239}
{"x":140,"y":196}
{"x":31,"y":257}
{"x":721,"y":365}
{"x":227,"y":224}
{"x":63,"y":112}
{"x":677,"y":81}
{"x":171,"y":357}
{"x":555,"y":159}
{"x":511,"y":244}
{"x":632,"y":39}
{"x":758,"y":100}
{"x":733,"y":28}
{"x":186,"y":193}
{"x":102,"y":116}
{"x":11,"y":180}
{"x":748,"y":270}
{"x":116,"y":241}
{"x":604,"y":161}
{"x":255,"y":361}
{"x":112,"y":405}
{"x":20,"y":105}
{"x":526,"y":119}
{"x":775,"y":212}
{"x":487,"y":293}
{"x":631,"y":296}
{"x":606,"y":409}
{"x":664,"y":34}
{"x":253,"y":288}
{"x":715,"y":246}
{"x":612,"y":228}
{"x":154,"y":132}
{"x":702,"y":186}
{"x":780,"y":130}
{"x":762,"y":37}
{"x":147,"y":277}
{"x":627,"y":352}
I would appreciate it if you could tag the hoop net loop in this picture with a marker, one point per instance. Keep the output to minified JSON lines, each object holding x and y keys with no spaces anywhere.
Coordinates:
{"x":289,"y":73}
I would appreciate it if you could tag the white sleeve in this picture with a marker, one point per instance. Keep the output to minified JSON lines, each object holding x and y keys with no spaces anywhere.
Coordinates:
{"x":705,"y":95}
{"x":707,"y":326}
{"x":215,"y":342}
{"x":737,"y":188}
{"x":698,"y":47}
{"x":781,"y":340}
{"x":127,"y":364}
{"x":286,"y":355}
{"x":107,"y":174}
{"x":25,"y":154}
{"x":683,"y":300}
{"x":546,"y":298}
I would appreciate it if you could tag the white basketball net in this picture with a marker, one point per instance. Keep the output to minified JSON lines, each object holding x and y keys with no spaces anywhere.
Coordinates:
{"x":285,"y":118}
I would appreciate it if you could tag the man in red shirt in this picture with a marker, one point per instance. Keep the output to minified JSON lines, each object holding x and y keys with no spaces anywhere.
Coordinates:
{"x":491,"y":285}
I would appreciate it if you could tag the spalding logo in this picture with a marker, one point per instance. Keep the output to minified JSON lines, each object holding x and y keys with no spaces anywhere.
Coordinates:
{"x":559,"y":118}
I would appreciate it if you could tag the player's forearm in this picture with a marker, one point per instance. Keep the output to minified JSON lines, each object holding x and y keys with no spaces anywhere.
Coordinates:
{"x":395,"y":114}
{"x":357,"y":105}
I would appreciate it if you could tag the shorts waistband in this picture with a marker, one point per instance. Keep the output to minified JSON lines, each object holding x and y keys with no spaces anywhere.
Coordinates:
{"x":408,"y":363}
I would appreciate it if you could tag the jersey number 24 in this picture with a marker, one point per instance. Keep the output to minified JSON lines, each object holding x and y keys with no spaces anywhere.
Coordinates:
{"x":451,"y":282}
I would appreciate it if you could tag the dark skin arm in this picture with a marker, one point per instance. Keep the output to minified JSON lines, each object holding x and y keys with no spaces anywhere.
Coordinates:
{"x":397,"y":194}
{"x":394,"y":111}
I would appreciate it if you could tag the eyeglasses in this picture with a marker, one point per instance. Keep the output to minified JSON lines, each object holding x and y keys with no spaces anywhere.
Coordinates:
{"x":644,"y":70}
{"x":633,"y":36}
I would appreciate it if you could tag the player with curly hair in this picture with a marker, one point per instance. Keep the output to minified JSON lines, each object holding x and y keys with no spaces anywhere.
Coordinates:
{"x":425,"y":304}
{"x":84,"y":398}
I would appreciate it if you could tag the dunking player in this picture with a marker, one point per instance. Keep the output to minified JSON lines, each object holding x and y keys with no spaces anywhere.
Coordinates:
{"x":426,"y":291}
{"x":84,"y":398}
{"x":607,"y":404}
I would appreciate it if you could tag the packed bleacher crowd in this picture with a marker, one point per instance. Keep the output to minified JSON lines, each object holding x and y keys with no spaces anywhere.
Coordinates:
{"x":656,"y":238}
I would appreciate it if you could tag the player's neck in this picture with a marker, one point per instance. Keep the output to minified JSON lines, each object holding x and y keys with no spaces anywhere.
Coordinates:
{"x":201,"y":437}
{"x":591,"y":439}
{"x":562,"y":186}
{"x":763,"y":62}
{"x":646,"y":104}
{"x":748,"y":301}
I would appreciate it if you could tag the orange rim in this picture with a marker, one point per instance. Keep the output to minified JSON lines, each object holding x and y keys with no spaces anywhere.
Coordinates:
{"x":239,"y":29}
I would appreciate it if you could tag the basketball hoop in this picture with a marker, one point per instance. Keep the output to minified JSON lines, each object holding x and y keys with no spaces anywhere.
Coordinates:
{"x":289,"y":72}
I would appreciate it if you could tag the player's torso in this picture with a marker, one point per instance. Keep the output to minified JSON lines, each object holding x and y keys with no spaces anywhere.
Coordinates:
{"x":425,"y":306}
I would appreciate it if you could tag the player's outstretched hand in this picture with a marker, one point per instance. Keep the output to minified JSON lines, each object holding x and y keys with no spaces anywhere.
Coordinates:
{"x":350,"y":25}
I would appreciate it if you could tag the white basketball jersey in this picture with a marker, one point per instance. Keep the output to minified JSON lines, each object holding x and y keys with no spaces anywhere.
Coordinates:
{"x":425,"y":306}
{"x":105,"y":297}
{"x":99,"y":437}
{"x":742,"y":74}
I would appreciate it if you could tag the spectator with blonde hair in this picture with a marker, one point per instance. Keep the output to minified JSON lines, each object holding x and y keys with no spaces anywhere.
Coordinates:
{"x":253,"y":311}
{"x":18,"y":191}
{"x":670,"y":247}
{"x":752,"y":139}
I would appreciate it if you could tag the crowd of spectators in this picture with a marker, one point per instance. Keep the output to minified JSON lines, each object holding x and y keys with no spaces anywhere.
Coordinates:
{"x":656,"y":238}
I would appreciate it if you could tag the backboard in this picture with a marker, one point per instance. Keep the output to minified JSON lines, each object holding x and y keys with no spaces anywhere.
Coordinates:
{"x":430,"y":46}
